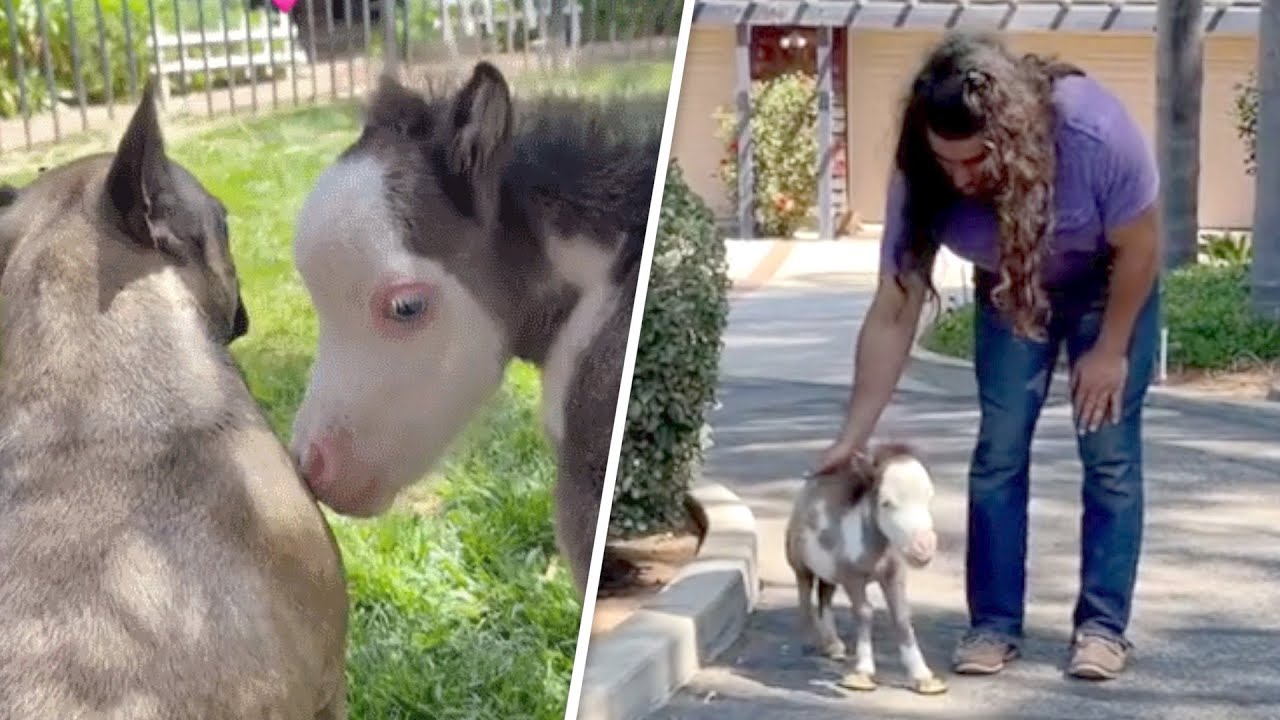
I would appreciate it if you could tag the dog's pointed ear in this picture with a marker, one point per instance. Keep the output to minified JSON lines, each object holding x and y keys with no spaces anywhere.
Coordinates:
{"x":139,"y":183}
{"x":478,"y":138}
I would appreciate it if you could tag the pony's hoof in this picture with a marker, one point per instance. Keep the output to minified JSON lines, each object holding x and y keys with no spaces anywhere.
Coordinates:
{"x":932,"y":685}
{"x":834,"y":652}
{"x":858,"y":681}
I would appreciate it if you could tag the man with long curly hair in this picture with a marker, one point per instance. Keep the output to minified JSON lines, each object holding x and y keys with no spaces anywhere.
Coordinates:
{"x":1036,"y":174}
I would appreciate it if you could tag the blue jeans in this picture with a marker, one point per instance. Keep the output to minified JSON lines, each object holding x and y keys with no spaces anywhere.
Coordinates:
{"x":1013,"y":377}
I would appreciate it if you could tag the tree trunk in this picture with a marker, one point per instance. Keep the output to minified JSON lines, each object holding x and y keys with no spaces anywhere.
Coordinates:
{"x":1180,"y":74}
{"x":1266,"y":212}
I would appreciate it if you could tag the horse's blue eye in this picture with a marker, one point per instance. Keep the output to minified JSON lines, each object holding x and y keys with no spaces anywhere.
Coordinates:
{"x":407,"y":308}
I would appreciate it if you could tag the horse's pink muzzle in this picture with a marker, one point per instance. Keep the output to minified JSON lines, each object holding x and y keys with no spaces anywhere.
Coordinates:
{"x":336,"y":476}
{"x":922,"y":547}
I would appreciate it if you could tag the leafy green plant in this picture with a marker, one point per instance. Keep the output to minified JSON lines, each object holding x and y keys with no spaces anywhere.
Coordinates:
{"x":784,"y":144}
{"x":1246,"y":114}
{"x":90,"y":47}
{"x":1226,"y":248}
{"x":24,"y":25}
{"x":118,"y":49}
{"x":952,"y":332}
{"x":1206,"y":308}
{"x":676,"y":365}
{"x":1212,"y":325}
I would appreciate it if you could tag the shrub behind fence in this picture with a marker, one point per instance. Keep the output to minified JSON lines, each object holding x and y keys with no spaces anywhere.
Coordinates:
{"x":79,"y":59}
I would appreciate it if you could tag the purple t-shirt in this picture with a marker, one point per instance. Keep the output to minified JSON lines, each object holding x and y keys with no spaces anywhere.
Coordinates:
{"x":1106,"y":176}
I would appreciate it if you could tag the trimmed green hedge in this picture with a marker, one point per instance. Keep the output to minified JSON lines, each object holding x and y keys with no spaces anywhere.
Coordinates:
{"x":677,"y":360}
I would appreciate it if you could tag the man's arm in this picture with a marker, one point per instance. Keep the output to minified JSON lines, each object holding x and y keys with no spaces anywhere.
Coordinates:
{"x":1128,"y":190}
{"x":1137,"y":264}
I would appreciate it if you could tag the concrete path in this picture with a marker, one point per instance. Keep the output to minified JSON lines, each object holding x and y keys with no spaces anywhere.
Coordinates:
{"x":1207,"y":616}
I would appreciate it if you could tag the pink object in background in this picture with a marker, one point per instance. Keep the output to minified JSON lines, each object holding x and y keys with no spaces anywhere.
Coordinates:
{"x":284,"y":6}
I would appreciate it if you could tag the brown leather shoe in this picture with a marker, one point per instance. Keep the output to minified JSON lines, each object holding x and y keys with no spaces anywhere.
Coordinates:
{"x":1097,"y":657}
{"x":981,"y":653}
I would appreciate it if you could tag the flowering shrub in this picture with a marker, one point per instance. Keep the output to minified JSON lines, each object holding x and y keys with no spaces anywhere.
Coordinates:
{"x":784,"y":121}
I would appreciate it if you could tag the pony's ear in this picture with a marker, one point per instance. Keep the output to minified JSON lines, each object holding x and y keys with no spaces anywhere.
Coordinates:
{"x":477,"y":141}
{"x":394,"y":107}
{"x":862,"y":465}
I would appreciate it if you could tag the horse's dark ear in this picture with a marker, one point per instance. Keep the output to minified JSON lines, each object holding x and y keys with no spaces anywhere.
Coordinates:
{"x":394,"y":107}
{"x":139,"y":184}
{"x":862,"y":464}
{"x":479,"y":135}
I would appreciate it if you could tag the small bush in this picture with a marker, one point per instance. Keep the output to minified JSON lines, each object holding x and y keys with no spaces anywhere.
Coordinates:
{"x":784,"y":121}
{"x":89,"y":50}
{"x":951,"y":333}
{"x":1206,"y":308}
{"x":1211,"y":323}
{"x":676,"y":365}
{"x":24,"y":25}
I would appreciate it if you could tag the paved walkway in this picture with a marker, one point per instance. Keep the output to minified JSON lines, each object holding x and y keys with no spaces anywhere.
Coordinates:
{"x":1207,"y":616}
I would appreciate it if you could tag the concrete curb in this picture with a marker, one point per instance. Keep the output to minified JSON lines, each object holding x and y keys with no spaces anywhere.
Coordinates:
{"x":640,"y":664}
{"x":1267,"y":411}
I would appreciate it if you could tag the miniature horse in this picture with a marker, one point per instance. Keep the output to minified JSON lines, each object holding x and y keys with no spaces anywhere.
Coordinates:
{"x":459,"y":232}
{"x":865,"y":523}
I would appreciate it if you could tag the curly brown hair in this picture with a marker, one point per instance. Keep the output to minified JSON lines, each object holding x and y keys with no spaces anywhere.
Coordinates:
{"x":971,"y":84}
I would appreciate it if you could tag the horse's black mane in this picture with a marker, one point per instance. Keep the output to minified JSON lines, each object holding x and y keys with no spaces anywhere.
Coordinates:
{"x":594,"y":161}
{"x":585,"y":164}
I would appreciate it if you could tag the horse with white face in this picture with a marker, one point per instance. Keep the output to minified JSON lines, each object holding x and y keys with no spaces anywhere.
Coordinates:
{"x":454,"y":235}
{"x":866,"y":523}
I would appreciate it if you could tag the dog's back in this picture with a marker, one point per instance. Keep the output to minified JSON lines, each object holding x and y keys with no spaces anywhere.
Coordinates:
{"x":163,"y":578}
{"x":163,"y":559}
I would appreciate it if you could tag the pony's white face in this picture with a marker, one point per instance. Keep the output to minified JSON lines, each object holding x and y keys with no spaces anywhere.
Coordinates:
{"x":903,"y":510}
{"x":406,"y":353}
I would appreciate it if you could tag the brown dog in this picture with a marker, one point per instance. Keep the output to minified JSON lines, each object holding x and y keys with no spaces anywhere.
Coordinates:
{"x":162,"y":558}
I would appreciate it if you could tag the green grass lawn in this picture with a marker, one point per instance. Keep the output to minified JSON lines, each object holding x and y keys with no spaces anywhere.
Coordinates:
{"x":461,"y":607}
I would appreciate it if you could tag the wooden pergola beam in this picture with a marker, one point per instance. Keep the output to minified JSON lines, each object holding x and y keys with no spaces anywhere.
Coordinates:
{"x":746,"y":169}
{"x":826,"y":221}
{"x":1233,"y":18}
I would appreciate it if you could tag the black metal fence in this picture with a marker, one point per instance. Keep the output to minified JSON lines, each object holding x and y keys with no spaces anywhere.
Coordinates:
{"x":75,"y":65}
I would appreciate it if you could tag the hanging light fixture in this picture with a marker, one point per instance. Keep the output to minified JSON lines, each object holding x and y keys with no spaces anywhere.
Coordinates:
{"x":793,"y":40}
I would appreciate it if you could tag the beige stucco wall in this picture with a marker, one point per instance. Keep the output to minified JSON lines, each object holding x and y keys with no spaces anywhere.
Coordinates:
{"x":708,"y":84}
{"x":881,"y":63}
